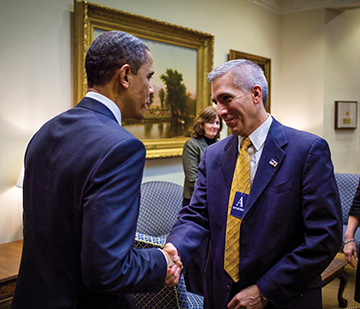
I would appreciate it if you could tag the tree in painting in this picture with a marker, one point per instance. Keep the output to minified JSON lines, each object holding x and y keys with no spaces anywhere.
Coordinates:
{"x":151,"y":100}
{"x":162,"y":98}
{"x":176,"y":96}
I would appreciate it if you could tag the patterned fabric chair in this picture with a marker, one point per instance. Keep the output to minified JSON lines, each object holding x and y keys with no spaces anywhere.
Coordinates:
{"x":159,"y":206}
{"x":347,"y":184}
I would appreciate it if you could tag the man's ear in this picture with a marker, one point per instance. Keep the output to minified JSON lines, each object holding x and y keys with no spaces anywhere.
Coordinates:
{"x":257,"y":94}
{"x":124,"y":75}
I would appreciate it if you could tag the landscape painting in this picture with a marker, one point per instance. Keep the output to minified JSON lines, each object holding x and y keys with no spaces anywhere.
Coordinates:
{"x":182,"y":59}
{"x":172,"y":108}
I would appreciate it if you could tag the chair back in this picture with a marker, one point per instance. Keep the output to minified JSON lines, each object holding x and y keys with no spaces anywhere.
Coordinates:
{"x":160,"y":204}
{"x":347,"y":184}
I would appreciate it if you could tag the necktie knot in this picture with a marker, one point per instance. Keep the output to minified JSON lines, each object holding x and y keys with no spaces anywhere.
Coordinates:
{"x":245,"y":143}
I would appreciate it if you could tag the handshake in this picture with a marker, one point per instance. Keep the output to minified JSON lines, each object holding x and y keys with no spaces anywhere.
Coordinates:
{"x":174,"y":265}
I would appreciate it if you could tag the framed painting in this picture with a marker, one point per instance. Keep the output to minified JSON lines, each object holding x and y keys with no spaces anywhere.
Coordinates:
{"x":182,"y":59}
{"x":345,"y":115}
{"x":264,"y":63}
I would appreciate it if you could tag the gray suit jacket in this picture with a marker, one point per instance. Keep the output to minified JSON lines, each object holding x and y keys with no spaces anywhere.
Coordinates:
{"x":192,"y":153}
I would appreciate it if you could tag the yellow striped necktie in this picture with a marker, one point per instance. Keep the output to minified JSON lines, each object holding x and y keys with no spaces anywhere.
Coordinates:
{"x":241,"y":183}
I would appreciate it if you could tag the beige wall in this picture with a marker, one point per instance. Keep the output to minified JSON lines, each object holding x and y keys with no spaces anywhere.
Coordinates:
{"x":301,"y":71}
{"x":320,"y":65}
{"x":342,"y":82}
{"x":36,"y":80}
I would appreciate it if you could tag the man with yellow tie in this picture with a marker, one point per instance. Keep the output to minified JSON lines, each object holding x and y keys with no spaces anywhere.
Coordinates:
{"x":267,"y":197}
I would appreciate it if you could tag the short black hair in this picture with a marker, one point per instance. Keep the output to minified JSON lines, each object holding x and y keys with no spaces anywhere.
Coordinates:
{"x":109,"y":52}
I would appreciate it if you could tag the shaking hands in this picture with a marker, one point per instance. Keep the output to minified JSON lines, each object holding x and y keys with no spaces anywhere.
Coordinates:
{"x":174,"y":265}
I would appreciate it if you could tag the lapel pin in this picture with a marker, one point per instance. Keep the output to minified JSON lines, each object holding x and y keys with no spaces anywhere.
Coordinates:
{"x":273,"y":163}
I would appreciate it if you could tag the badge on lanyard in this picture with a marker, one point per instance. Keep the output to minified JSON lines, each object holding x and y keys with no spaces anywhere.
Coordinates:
{"x":238,"y":206}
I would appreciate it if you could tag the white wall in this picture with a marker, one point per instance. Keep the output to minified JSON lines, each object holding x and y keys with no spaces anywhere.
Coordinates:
{"x":36,"y":67}
{"x":302,"y":67}
{"x":342,"y":82}
{"x":35,"y":85}
{"x":320,"y":64}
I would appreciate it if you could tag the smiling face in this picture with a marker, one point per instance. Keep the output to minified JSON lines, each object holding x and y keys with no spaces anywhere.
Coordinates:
{"x":139,"y":90}
{"x":211,"y":128}
{"x":241,"y":111}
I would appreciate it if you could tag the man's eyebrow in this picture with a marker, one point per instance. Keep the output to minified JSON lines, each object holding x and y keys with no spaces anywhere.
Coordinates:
{"x":224,"y":94}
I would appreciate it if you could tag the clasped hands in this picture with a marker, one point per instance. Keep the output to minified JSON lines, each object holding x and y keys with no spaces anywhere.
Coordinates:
{"x":174,"y":265}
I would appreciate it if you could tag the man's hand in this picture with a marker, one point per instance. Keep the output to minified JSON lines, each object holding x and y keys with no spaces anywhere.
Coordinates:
{"x":174,"y":265}
{"x":349,"y":252}
{"x":172,"y":254}
{"x":173,"y":275}
{"x":248,"y":298}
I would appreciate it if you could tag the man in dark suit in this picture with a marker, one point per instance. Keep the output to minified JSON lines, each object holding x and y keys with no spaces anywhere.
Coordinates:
{"x":83,"y":172}
{"x":287,"y":212}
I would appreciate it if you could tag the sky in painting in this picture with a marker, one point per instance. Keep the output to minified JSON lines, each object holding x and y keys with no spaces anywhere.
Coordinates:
{"x":169,"y":56}
{"x":178,"y":58}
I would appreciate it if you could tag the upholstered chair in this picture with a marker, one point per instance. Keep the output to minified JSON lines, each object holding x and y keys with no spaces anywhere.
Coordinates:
{"x":160,"y":204}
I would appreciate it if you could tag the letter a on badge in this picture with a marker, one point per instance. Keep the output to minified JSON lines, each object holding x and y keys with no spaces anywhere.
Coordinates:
{"x":240,"y":203}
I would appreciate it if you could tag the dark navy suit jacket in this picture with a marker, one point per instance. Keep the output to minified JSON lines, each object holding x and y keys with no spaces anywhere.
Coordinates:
{"x":81,"y":201}
{"x":291,"y":228}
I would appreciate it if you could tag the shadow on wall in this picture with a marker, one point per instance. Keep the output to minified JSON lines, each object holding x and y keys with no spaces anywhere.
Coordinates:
{"x":11,"y":215}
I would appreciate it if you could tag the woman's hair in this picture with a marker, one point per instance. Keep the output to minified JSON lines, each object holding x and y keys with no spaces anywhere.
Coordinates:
{"x":208,"y":114}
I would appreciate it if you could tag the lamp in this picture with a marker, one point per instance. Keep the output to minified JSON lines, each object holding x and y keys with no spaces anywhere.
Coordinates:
{"x":19,"y":182}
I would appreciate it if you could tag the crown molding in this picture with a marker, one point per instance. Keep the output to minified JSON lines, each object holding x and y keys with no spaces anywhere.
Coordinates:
{"x":292,"y":6}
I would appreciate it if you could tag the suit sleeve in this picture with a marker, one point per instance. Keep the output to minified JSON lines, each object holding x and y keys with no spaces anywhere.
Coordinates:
{"x":192,"y":225}
{"x":110,"y":264}
{"x":321,"y":213}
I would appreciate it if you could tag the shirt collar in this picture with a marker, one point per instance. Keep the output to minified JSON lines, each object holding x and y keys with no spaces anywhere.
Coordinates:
{"x":258,"y":137}
{"x":107,"y":102}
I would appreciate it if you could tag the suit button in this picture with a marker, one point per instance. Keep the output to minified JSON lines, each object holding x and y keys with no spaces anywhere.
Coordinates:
{"x":228,"y":287}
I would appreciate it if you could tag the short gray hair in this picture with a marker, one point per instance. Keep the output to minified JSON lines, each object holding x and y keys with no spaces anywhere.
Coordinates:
{"x":247,"y":75}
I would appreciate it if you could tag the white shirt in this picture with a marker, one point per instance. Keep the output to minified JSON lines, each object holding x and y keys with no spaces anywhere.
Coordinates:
{"x":107,"y":102}
{"x":257,"y":139}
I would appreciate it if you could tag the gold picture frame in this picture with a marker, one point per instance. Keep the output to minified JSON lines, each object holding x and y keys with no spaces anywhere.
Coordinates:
{"x":264,"y":63}
{"x":90,"y":17}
